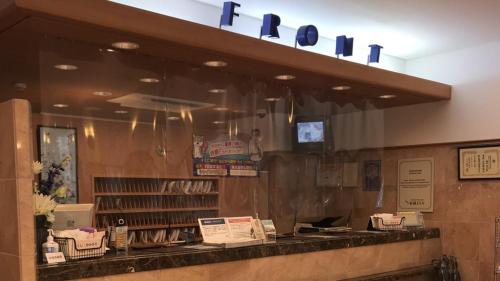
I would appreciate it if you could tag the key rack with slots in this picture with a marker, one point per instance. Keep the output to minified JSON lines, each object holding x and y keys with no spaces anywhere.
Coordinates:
{"x":156,"y":210}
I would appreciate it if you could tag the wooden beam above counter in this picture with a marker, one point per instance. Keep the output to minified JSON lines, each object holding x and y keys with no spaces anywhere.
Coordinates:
{"x":164,"y":36}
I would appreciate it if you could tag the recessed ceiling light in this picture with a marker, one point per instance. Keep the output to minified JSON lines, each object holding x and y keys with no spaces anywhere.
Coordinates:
{"x":102,"y":94}
{"x":239,"y":111}
{"x":121,"y":111}
{"x":149,"y":80}
{"x":66,"y":67}
{"x":217,"y":91}
{"x":341,"y":88}
{"x":387,"y":96}
{"x":221,"y":108}
{"x":60,"y":105}
{"x":284,"y":77}
{"x":173,"y":118}
{"x":125,"y":45}
{"x":219,"y":122}
{"x":272,"y":99}
{"x":20,"y":86}
{"x":215,"y":63}
{"x":109,"y":50}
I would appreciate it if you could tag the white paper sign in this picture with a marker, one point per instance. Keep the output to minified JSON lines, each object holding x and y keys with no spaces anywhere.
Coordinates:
{"x":416,"y":184}
{"x":229,"y":230}
{"x":240,"y":228}
{"x":350,"y":174}
{"x":53,"y":258}
{"x":214,"y":230}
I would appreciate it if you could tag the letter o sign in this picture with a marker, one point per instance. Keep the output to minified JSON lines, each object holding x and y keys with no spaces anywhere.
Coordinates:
{"x":307,"y":35}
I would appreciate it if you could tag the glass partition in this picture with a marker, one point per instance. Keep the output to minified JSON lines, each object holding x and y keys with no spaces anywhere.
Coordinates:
{"x":161,"y":140}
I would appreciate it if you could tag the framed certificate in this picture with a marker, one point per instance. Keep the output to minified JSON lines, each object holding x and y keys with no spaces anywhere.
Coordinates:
{"x":416,"y":184}
{"x":479,"y":162}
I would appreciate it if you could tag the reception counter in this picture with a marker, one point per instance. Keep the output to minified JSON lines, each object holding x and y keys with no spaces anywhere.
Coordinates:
{"x":329,"y":257}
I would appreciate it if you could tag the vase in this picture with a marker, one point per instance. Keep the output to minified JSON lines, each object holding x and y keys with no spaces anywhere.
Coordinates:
{"x":41,"y":235}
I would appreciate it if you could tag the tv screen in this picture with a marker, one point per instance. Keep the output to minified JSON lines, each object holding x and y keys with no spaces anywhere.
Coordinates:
{"x":310,"y":132}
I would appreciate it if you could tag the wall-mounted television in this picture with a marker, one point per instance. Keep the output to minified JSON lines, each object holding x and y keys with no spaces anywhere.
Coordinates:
{"x":310,"y":134}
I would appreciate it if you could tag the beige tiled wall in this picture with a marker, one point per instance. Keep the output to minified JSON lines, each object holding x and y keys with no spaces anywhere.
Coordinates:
{"x":464,"y":210}
{"x":17,"y":252}
{"x":318,"y":266}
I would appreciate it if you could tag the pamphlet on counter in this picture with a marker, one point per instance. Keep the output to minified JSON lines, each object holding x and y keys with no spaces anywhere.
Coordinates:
{"x":232,"y":232}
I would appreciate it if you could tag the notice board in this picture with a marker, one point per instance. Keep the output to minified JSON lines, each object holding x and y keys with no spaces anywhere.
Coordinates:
{"x":416,"y":184}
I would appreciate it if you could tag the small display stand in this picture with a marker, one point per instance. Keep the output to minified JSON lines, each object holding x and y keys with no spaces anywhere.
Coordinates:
{"x":232,"y":232}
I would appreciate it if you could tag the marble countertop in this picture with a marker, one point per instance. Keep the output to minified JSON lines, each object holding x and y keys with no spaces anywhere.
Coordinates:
{"x":171,"y":257}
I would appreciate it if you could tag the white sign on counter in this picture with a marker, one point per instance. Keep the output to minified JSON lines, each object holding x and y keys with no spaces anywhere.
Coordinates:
{"x":231,"y":232}
{"x":53,"y":258}
{"x":214,"y":230}
{"x":416,"y":184}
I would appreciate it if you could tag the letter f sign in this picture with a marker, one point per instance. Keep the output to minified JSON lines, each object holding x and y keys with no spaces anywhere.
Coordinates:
{"x":228,"y":13}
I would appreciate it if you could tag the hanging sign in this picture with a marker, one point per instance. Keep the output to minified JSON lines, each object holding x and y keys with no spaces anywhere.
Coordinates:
{"x":416,"y":184}
{"x":227,"y":156}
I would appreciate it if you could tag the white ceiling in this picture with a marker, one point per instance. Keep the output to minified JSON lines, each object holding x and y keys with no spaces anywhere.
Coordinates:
{"x":407,"y":29}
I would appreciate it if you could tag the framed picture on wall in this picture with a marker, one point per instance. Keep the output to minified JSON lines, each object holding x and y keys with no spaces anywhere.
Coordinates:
{"x":372,"y":175}
{"x":479,"y":162}
{"x":57,"y":151}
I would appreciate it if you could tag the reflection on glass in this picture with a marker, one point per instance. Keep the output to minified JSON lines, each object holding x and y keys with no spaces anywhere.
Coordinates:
{"x":149,"y":107}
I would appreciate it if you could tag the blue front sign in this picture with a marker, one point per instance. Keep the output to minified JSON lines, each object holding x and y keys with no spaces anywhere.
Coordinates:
{"x":228,"y":13}
{"x":374,"y":53}
{"x":307,"y":35}
{"x":270,"y":26}
{"x":344,"y":46}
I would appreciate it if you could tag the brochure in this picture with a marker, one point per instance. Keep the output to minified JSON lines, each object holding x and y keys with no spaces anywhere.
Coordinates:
{"x":231,"y":232}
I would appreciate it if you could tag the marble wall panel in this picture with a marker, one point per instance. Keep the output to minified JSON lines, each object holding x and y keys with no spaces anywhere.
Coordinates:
{"x":318,"y":266}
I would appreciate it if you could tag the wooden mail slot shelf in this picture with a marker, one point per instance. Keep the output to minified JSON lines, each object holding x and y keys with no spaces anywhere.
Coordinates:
{"x":155,"y":209}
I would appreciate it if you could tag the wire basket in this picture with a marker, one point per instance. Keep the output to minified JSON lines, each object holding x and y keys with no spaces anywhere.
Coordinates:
{"x":391,"y":224}
{"x":81,"y":249}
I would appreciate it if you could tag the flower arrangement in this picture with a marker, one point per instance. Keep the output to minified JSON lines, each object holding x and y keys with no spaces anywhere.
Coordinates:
{"x":44,"y":205}
{"x":53,"y":183}
{"x":37,"y":167}
{"x":50,"y":191}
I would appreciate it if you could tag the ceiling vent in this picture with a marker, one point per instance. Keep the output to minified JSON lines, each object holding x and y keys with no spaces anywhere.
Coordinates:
{"x":157,"y":103}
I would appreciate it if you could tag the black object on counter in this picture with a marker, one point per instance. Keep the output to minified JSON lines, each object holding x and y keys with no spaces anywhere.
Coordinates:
{"x":326,"y":222}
